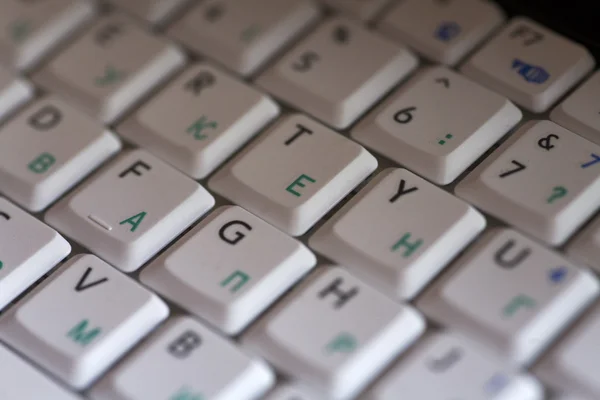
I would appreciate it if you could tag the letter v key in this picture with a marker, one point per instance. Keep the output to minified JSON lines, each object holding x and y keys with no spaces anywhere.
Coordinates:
{"x":82,"y":285}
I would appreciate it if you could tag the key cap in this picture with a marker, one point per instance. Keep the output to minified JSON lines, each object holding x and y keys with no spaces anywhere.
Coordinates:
{"x":82,"y":319}
{"x":288,"y":391}
{"x":296,"y":173}
{"x":511,"y":294}
{"x":215,"y":115}
{"x":531,"y":65}
{"x":131,"y":210}
{"x":156,"y":12}
{"x":28,"y":250}
{"x":437,"y":367}
{"x":47,"y":149}
{"x":245,"y":265}
{"x":559,"y":171}
{"x":438,"y":124}
{"x":365,"y":10}
{"x":30,"y":30}
{"x":14,"y":93}
{"x":110,"y":67}
{"x":580,"y":112}
{"x":572,"y":364}
{"x":186,"y":361}
{"x":443,"y":31}
{"x":394,"y":248}
{"x":328,"y":335}
{"x":585,"y":248}
{"x":316,"y":76}
{"x":233,"y":33}
{"x":18,"y":380}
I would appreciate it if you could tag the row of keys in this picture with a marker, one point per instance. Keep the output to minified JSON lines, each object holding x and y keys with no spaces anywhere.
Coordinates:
{"x":520,"y":62}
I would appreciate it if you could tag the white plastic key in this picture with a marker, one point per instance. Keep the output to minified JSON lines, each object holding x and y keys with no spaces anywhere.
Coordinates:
{"x":81,"y":320}
{"x":510,"y":294}
{"x":244,"y":34}
{"x":335,"y":334}
{"x":585,"y":248}
{"x":28,"y":250}
{"x":215,"y":115}
{"x":447,"y":366}
{"x":383,"y":237}
{"x":530,"y":64}
{"x":546,"y":182}
{"x":229,"y":269}
{"x":14,"y":93}
{"x":156,"y":12}
{"x":47,"y":149}
{"x":365,"y":10}
{"x":30,"y":30}
{"x":571,"y":364}
{"x":186,"y":361}
{"x":291,"y":391}
{"x":580,"y":112}
{"x":296,"y":173}
{"x":438,"y":124}
{"x":131,"y":210}
{"x":19,"y":380}
{"x":110,"y":67}
{"x":338,"y":72}
{"x":443,"y":31}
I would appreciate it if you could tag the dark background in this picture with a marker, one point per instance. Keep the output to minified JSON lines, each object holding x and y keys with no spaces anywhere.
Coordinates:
{"x":577,"y":19}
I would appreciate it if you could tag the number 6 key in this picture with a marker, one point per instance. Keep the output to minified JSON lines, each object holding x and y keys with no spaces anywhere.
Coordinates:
{"x":546,"y":183}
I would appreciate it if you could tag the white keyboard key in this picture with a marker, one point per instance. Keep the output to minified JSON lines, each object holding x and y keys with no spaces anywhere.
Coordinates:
{"x":131,"y":210}
{"x":365,"y":10}
{"x":246,"y":264}
{"x":288,"y":391}
{"x":82,"y":319}
{"x":580,"y":112}
{"x":316,"y":76}
{"x":296,"y":173}
{"x":29,"y":30}
{"x":446,"y":366}
{"x":19,"y":380}
{"x":186,"y":361}
{"x":47,"y":149}
{"x":443,"y":31}
{"x":511,"y":294}
{"x":530,"y":64}
{"x":335,"y":333}
{"x":14,"y":93}
{"x":110,"y":67}
{"x":28,"y":250}
{"x":438,"y":124}
{"x":395,"y":249}
{"x":560,"y":170}
{"x":157,"y":12}
{"x":215,"y":115}
{"x":233,"y":33}
{"x":585,"y":248}
{"x":567,"y":396}
{"x":573,"y":363}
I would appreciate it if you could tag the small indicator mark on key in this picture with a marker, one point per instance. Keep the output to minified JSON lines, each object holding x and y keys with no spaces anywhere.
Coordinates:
{"x":445,"y":140}
{"x":558,"y":274}
{"x":342,"y":343}
{"x":558,"y":192}
{"x":98,"y":221}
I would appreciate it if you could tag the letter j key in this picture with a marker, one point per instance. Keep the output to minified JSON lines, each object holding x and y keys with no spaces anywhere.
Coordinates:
{"x":295,"y":174}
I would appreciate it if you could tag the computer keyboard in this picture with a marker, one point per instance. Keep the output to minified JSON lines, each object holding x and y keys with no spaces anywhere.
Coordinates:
{"x":296,"y":200}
